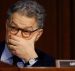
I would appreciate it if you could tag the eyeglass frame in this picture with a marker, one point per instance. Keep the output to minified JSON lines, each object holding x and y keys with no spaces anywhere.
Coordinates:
{"x":22,"y":30}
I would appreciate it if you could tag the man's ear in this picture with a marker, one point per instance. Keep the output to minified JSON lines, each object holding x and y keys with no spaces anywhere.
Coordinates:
{"x":40,"y":32}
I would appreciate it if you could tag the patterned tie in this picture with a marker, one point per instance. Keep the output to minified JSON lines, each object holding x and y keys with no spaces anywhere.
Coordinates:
{"x":18,"y":62}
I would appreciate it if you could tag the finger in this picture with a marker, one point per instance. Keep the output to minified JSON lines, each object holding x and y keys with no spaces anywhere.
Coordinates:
{"x":12,"y":47}
{"x":16,"y":38}
{"x":13,"y":42}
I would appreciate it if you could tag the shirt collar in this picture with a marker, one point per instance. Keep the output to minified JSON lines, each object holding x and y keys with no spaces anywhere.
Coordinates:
{"x":6,"y":54}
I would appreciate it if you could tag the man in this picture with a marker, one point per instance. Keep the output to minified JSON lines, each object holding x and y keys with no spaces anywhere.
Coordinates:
{"x":24,"y":26}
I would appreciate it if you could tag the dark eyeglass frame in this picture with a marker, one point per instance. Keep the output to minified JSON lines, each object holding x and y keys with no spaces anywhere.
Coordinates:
{"x":22,"y":30}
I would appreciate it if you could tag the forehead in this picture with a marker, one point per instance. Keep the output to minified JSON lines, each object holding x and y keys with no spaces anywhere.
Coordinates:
{"x":23,"y":21}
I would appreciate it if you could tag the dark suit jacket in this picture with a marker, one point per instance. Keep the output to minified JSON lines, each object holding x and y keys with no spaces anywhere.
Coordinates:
{"x":44,"y":60}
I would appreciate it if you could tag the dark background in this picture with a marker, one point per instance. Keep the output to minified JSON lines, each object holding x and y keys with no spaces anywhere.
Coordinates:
{"x":58,"y":38}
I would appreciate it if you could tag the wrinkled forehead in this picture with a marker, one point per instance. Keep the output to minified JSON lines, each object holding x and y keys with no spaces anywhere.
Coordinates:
{"x":21,"y":21}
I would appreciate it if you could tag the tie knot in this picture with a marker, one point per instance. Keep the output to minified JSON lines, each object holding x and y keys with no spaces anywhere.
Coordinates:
{"x":20,"y":64}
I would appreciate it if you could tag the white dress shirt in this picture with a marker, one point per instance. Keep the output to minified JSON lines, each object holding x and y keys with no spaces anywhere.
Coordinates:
{"x":6,"y":55}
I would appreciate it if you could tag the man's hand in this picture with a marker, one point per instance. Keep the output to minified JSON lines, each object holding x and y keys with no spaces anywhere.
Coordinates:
{"x":22,"y":47}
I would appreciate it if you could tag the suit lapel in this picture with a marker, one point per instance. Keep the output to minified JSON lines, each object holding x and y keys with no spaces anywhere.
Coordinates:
{"x":16,"y":59}
{"x":2,"y":46}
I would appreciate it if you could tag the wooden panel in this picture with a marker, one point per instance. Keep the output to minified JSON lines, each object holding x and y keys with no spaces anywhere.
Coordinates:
{"x":66,"y":29}
{"x":72,"y":29}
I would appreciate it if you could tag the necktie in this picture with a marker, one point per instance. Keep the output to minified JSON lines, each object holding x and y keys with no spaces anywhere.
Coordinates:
{"x":18,"y":62}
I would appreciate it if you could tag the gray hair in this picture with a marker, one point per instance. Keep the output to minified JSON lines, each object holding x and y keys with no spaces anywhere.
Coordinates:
{"x":29,"y":8}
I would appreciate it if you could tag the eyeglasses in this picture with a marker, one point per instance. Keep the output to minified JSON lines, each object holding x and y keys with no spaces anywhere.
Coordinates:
{"x":25,"y":33}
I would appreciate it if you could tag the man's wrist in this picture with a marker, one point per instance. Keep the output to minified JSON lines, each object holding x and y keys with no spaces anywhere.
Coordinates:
{"x":32,"y":61}
{"x":33,"y":56}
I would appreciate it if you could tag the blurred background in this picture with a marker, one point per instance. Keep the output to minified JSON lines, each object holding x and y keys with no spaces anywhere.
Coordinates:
{"x":58,"y":38}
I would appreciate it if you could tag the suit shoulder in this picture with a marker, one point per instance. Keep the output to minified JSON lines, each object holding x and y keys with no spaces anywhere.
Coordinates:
{"x":46,"y":59}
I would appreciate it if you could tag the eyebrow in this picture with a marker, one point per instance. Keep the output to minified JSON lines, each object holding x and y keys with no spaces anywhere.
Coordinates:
{"x":25,"y":28}
{"x":30,"y":27}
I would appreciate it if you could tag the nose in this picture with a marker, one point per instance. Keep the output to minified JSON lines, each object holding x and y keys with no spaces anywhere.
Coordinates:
{"x":19,"y":33}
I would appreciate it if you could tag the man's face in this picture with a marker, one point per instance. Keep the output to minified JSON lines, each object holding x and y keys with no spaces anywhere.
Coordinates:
{"x":21,"y":26}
